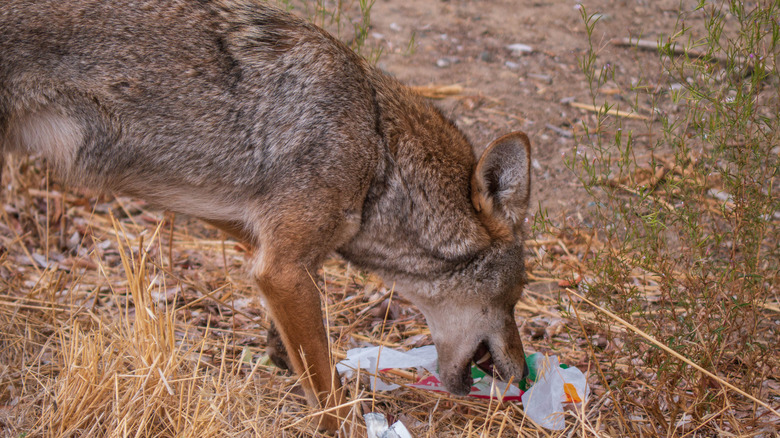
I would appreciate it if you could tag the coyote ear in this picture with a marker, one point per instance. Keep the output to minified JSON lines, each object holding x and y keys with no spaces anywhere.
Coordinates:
{"x":501,"y":184}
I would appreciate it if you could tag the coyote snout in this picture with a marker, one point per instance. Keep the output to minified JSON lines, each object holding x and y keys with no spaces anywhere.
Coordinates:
{"x":267,"y":127}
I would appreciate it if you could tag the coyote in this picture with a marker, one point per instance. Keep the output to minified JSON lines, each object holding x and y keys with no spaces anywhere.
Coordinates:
{"x":267,"y":127}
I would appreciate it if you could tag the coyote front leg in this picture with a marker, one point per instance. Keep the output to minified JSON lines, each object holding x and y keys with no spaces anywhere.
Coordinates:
{"x":294,"y":303}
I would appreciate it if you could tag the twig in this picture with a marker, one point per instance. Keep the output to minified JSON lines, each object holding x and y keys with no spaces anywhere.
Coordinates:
{"x":668,"y":206}
{"x":611,"y":111}
{"x":677,"y":49}
{"x":654,"y":45}
{"x":437,"y":91}
{"x":560,"y":131}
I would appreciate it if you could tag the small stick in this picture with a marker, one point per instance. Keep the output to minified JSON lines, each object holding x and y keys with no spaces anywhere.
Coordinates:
{"x":172,"y":218}
{"x":654,"y":45}
{"x":560,"y":131}
{"x":437,"y":91}
{"x":677,"y":49}
{"x":611,"y":111}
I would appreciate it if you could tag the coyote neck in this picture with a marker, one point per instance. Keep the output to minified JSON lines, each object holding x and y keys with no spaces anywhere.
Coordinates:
{"x":417,"y":220}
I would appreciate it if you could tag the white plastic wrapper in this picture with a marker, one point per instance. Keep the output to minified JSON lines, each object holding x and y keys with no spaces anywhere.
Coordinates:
{"x":376,"y":427}
{"x":376,"y":359}
{"x":554,"y":387}
{"x":543,"y":402}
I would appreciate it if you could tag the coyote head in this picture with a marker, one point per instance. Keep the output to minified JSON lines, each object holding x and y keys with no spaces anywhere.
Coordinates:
{"x":457,"y":251}
{"x":470,"y":308}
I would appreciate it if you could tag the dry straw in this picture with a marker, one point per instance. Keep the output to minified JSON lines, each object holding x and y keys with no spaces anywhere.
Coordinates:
{"x":103,"y":336}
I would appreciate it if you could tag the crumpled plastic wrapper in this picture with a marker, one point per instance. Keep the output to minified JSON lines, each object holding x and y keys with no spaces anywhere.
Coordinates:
{"x":376,"y":427}
{"x":554,"y":385}
{"x":376,"y":359}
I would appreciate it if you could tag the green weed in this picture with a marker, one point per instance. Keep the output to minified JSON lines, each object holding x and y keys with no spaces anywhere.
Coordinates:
{"x":687,"y":209}
{"x":349,"y":21}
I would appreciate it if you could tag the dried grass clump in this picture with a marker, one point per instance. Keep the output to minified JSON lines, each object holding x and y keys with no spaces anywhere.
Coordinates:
{"x":100,"y":337}
{"x":114,"y":322}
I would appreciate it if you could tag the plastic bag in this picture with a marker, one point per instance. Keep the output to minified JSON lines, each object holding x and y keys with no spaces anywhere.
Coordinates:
{"x":375,"y":359}
{"x":554,"y":385}
{"x":376,"y":427}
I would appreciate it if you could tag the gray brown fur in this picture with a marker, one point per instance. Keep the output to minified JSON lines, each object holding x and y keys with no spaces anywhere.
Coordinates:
{"x":269,"y":128}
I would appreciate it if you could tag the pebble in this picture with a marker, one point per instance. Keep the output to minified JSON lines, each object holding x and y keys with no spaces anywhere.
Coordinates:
{"x":520,"y":49}
{"x":541,"y":77}
{"x":446,"y":62}
{"x":486,"y":56}
{"x":599,"y":341}
{"x":560,"y":131}
{"x":721,"y":195}
{"x":512,"y":65}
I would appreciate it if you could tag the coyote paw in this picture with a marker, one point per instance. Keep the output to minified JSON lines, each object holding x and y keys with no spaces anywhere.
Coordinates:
{"x":275,"y":349}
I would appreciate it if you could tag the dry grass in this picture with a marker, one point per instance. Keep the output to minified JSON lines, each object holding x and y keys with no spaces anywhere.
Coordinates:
{"x":118,"y":321}
{"x":116,"y":327}
{"x":121,"y":327}
{"x":132,"y":327}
